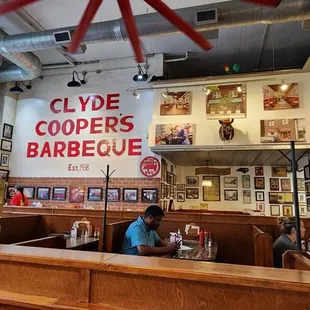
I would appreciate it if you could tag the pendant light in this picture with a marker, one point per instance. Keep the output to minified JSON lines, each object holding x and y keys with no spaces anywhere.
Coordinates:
{"x":16,"y":89}
{"x":75,"y":83}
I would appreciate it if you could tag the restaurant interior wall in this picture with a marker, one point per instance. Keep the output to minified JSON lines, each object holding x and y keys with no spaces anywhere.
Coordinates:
{"x":35,"y":106}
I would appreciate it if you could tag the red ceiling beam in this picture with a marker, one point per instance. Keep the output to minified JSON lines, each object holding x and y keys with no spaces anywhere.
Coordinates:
{"x":272,"y":3}
{"x":14,"y":5}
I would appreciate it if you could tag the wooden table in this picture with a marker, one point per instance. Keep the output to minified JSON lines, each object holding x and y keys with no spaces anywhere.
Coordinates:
{"x":197,"y":253}
{"x":82,"y":243}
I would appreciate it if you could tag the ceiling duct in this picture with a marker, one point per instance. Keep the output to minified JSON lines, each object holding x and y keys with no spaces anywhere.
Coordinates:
{"x":224,"y":15}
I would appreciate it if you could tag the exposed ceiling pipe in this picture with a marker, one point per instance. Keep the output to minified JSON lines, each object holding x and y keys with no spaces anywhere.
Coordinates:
{"x":178,"y":59}
{"x":23,"y":67}
{"x":230,"y":14}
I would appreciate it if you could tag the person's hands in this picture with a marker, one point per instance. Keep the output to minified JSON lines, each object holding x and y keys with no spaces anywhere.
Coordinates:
{"x":172,"y":247}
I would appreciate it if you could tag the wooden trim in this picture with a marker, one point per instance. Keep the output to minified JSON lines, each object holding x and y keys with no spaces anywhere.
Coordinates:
{"x":85,"y":285}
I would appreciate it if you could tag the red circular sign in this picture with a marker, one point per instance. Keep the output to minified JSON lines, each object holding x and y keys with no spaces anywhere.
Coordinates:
{"x":150,"y":166}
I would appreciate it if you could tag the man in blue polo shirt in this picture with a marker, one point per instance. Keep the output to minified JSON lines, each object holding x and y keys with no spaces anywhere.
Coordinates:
{"x":141,"y":237}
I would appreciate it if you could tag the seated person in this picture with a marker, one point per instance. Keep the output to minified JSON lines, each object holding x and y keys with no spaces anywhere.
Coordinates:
{"x":141,"y":237}
{"x":287,"y":239}
{"x":19,"y":199}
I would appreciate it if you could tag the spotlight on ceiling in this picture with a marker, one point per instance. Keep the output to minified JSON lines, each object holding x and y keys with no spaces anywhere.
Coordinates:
{"x":284,"y":86}
{"x":16,"y":89}
{"x":206,"y":90}
{"x":166,"y":93}
{"x":28,"y":86}
{"x":75,"y":83}
{"x":239,"y":89}
{"x":141,"y":76}
{"x":136,"y":94}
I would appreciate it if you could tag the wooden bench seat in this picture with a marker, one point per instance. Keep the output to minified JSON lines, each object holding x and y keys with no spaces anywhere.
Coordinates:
{"x":52,"y":242}
{"x":296,"y":260}
{"x":263,"y":248}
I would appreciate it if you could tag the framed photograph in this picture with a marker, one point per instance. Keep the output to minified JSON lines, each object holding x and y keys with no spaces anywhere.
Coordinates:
{"x":6,"y":145}
{"x":149,"y":195}
{"x":162,"y":190}
{"x":212,"y":193}
{"x":174,"y":134}
{"x":302,"y":197}
{"x":231,"y":194}
{"x":7,"y":131}
{"x":307,"y":173}
{"x":279,"y":172}
{"x":287,"y":210}
{"x":259,"y":182}
{"x":280,"y":198}
{"x":10,"y":192}
{"x":260,"y":206}
{"x":274,"y":210}
{"x":246,"y":181}
{"x":180,"y":196}
{"x":59,"y":193}
{"x":192,"y":193}
{"x":247,"y":196}
{"x":192,"y":181}
{"x":303,"y":210}
{"x":76,"y":194}
{"x":130,"y":194}
{"x":308,"y":204}
{"x":273,"y":198}
{"x":165,"y":205}
{"x":163,"y":170}
{"x":283,"y":130}
{"x":173,"y":179}
{"x":29,"y":192}
{"x":43,"y":193}
{"x":300,"y":184}
{"x":259,"y":171}
{"x":307,"y":188}
{"x":231,"y":182}
{"x":260,"y":196}
{"x":176,"y":103}
{"x":5,"y":160}
{"x":173,"y":192}
{"x":4,"y":175}
{"x":181,"y":187}
{"x":94,"y":194}
{"x":285,"y":185}
{"x":168,"y":177}
{"x":114,"y":194}
{"x":167,"y":191}
{"x":274,"y":184}
{"x":226,"y":101}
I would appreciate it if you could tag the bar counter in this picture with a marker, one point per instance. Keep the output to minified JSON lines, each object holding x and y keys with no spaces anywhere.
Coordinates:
{"x":133,"y":282}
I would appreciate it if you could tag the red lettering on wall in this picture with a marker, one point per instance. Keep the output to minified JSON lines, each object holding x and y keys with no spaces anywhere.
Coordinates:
{"x":81,"y":124}
{"x":134,"y":150}
{"x":73,"y":148}
{"x":94,"y":124}
{"x":66,"y":108}
{"x":52,"y":105}
{"x":97,"y":103}
{"x":32,"y":149}
{"x":68,"y":130}
{"x":46,"y":150}
{"x":38,"y":131}
{"x":124,"y":121}
{"x":123,"y":147}
{"x":112,"y":98}
{"x":83,"y":103}
{"x":110,"y":123}
{"x":88,"y":148}
{"x":53,"y":128}
{"x":59,"y":149}
{"x":104,"y":148}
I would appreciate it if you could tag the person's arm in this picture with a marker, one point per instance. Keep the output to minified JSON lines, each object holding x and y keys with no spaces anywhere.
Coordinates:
{"x":14,"y":201}
{"x":162,"y":243}
{"x":145,"y":250}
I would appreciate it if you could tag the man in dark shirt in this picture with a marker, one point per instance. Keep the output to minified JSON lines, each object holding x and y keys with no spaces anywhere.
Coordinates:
{"x":283,"y":243}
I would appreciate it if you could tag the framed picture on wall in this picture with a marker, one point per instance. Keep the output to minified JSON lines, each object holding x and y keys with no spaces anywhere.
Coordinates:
{"x":231,"y":194}
{"x":176,"y":103}
{"x":180,"y":196}
{"x":259,"y":171}
{"x":307,"y":173}
{"x":7,"y":131}
{"x":163,"y":170}
{"x":307,"y":188}
{"x":287,"y":210}
{"x":10,"y":192}
{"x":260,"y":196}
{"x":149,"y":195}
{"x":308,"y":204}
{"x":59,"y":193}
{"x":231,"y":182}
{"x":274,"y":184}
{"x":5,"y":160}
{"x":181,"y":187}
{"x":94,"y":194}
{"x":192,"y":193}
{"x":300,"y":184}
{"x":4,"y":175}
{"x":279,"y":172}
{"x":246,"y":196}
{"x":281,"y":198}
{"x":6,"y":145}
{"x":259,"y":182}
{"x":285,"y":185}
{"x":168,"y":177}
{"x":274,"y":210}
{"x":192,"y":181}
{"x":29,"y":192}
{"x":162,"y":190}
{"x":302,"y":197}
{"x":76,"y":193}
{"x":260,"y":206}
{"x":43,"y":193}
{"x":114,"y":194}
{"x":130,"y":194}
{"x":303,"y":210}
{"x":212,"y":193}
{"x":167,"y":191}
{"x":246,"y":181}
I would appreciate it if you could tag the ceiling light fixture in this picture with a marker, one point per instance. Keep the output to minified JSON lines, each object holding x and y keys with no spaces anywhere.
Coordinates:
{"x":141,"y":76}
{"x":136,"y":94}
{"x":16,"y":89}
{"x":75,"y":83}
{"x":239,"y":89}
{"x":166,"y":93}
{"x":206,"y":90}
{"x":29,"y":86}
{"x":284,"y":86}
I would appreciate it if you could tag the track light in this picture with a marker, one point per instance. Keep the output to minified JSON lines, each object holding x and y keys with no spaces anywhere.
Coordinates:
{"x":166,"y":93}
{"x":206,"y":90}
{"x":16,"y":89}
{"x":75,"y":83}
{"x":141,"y":76}
{"x":136,"y":94}
{"x":284,"y":86}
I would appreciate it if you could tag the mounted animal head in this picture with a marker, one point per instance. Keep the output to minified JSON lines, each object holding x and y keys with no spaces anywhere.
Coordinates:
{"x":226,"y":131}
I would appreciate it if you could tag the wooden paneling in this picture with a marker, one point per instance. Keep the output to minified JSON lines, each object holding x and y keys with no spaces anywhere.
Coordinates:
{"x":51,"y":242}
{"x":296,"y":260}
{"x":263,"y":248}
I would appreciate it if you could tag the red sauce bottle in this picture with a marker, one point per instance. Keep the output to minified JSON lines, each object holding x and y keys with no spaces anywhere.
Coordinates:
{"x":201,"y":237}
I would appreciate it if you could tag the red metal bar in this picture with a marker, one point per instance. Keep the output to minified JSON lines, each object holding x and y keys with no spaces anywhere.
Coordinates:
{"x":89,"y":13}
{"x":179,"y":23}
{"x":14,"y":5}
{"x":272,"y":3}
{"x":131,"y":28}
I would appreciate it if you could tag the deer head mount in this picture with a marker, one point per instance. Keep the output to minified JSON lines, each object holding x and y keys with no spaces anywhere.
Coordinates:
{"x":226,"y":131}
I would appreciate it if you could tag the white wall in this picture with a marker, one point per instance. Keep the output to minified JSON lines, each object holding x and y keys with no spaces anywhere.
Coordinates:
{"x":34,"y":106}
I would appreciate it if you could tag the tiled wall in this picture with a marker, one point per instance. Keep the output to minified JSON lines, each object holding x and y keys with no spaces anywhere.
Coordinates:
{"x":91,"y":182}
